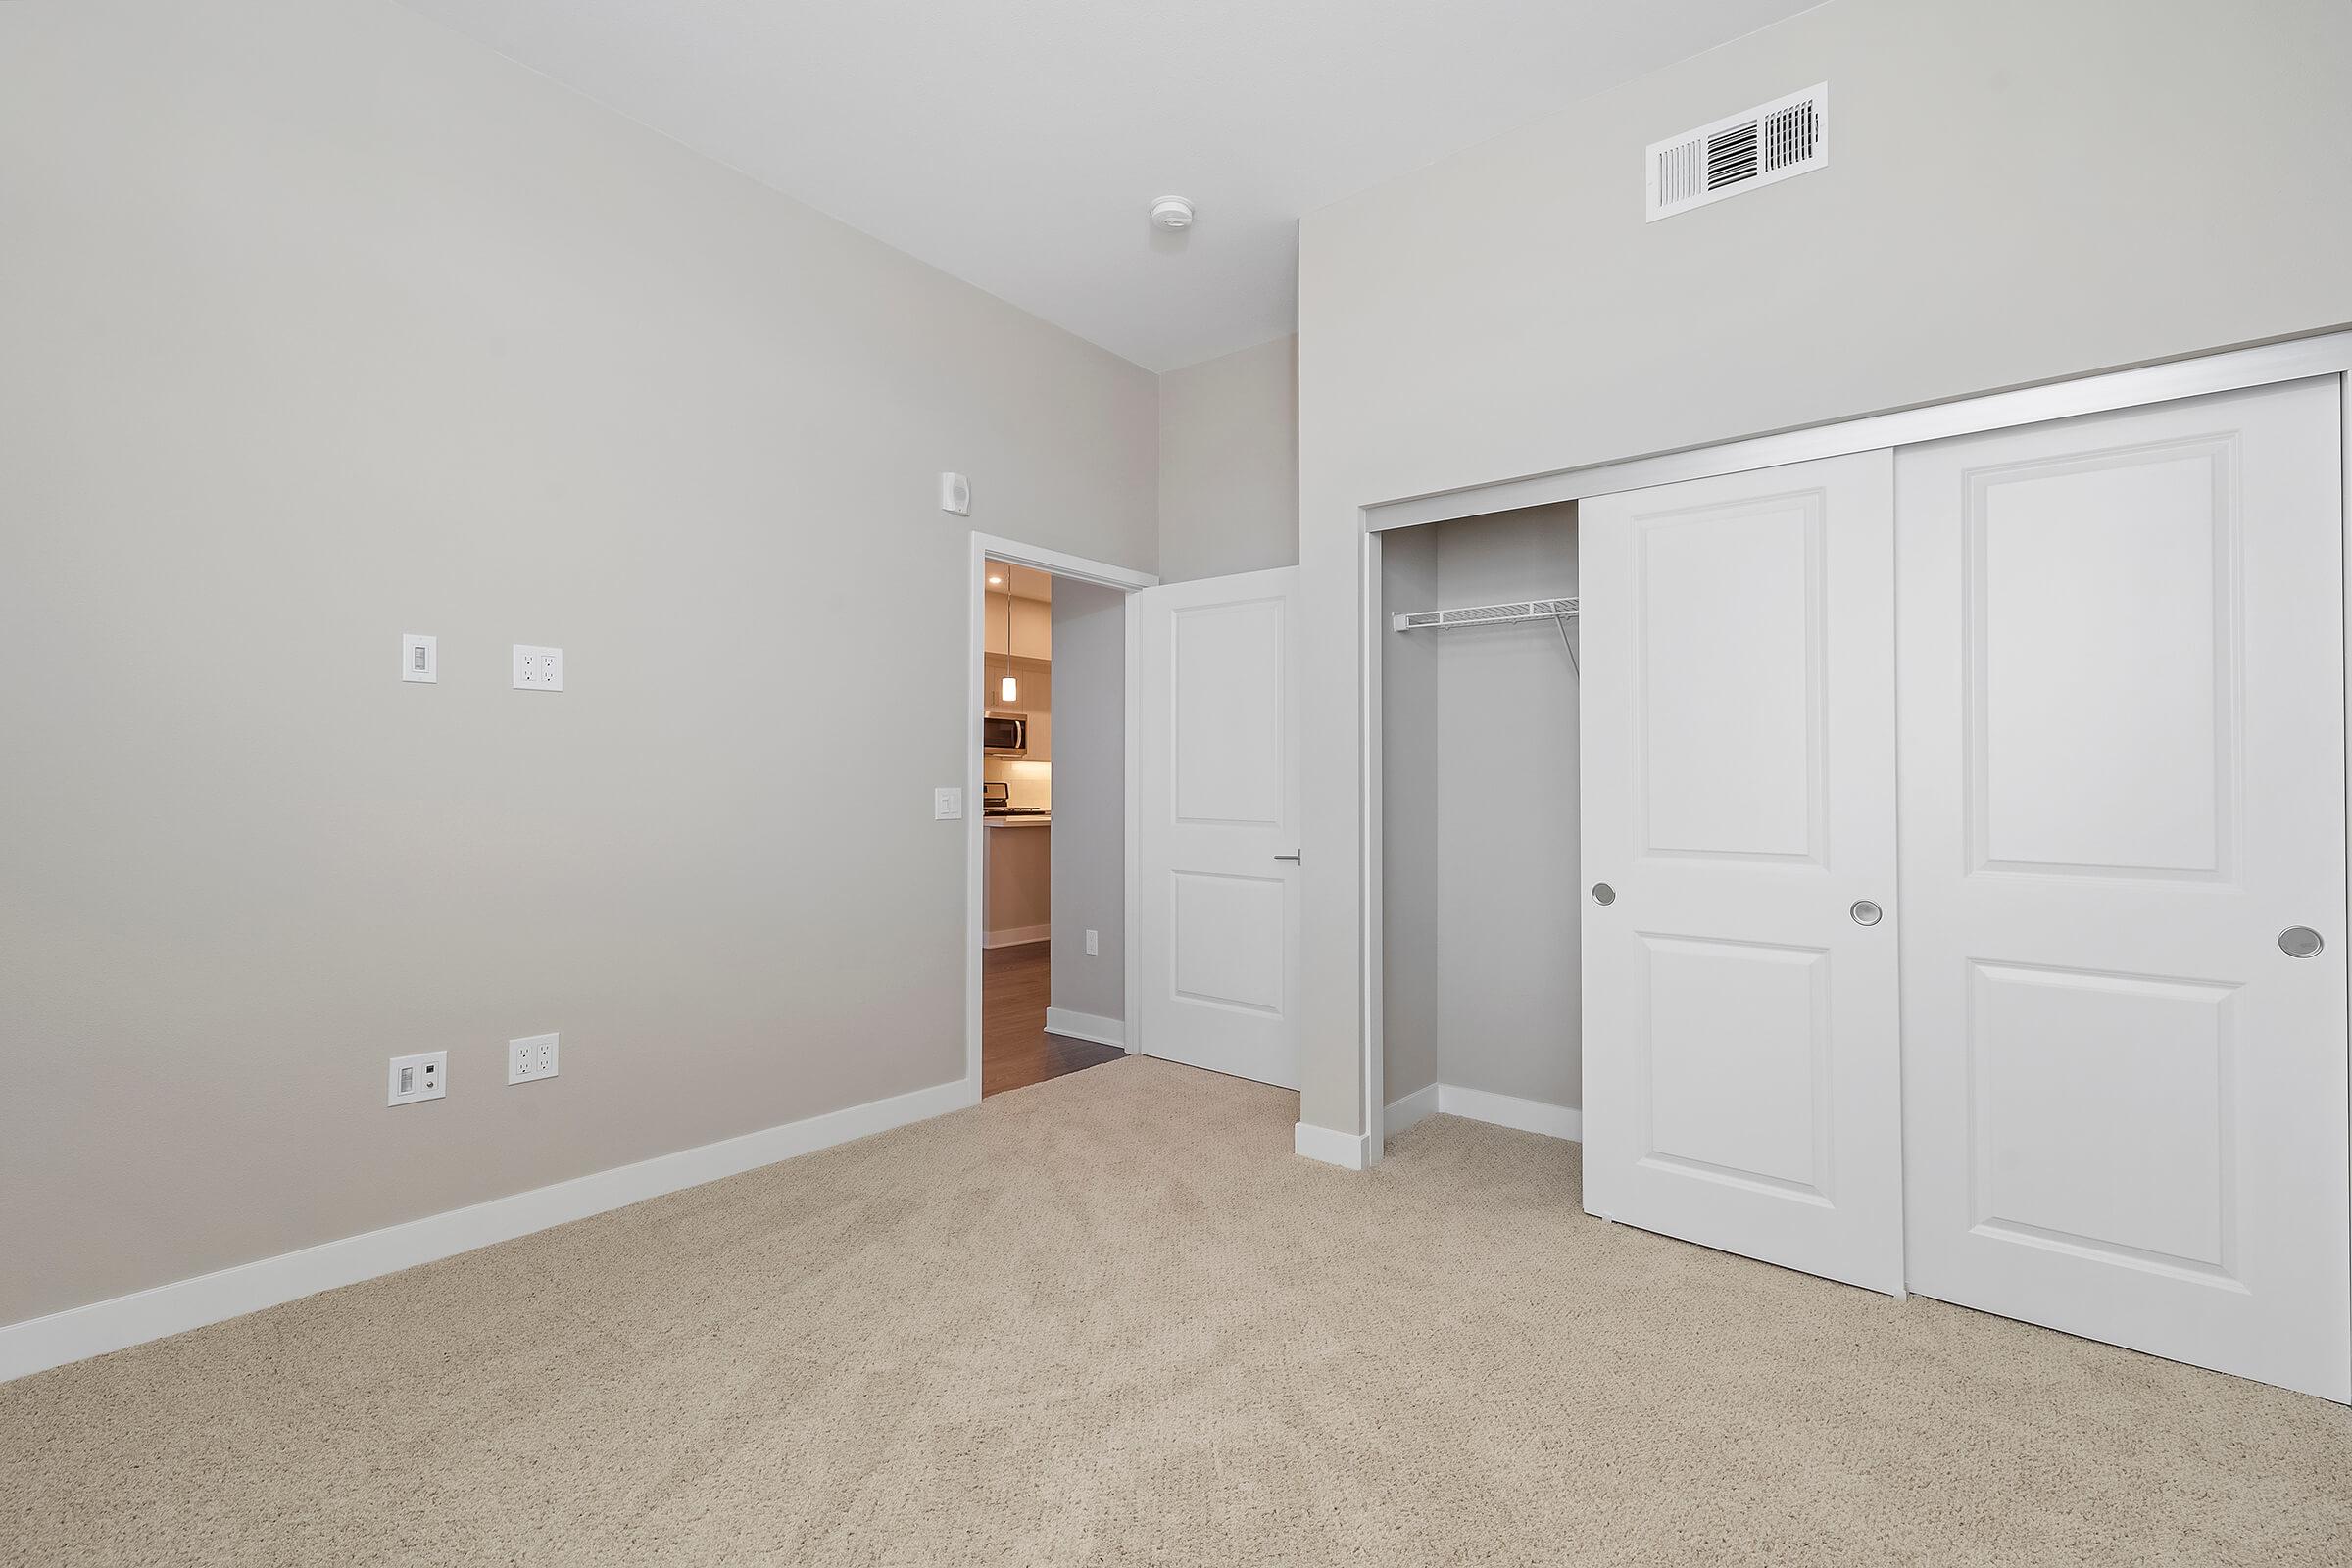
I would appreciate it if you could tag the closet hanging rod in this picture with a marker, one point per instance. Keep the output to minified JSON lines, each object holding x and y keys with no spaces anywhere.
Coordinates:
{"x":1485,"y":615}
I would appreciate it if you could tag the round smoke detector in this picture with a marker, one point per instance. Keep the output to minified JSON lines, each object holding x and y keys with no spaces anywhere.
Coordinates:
{"x":1172,"y":212}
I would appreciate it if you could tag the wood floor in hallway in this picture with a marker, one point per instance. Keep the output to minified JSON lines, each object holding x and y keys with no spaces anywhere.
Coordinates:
{"x":1015,"y":1049}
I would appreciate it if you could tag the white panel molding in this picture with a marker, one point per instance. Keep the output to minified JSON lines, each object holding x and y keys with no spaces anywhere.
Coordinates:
{"x":1018,"y":936}
{"x":1511,"y":1111}
{"x":1482,"y":1104}
{"x":1347,"y":1151}
{"x":1087,"y":1026}
{"x":1406,"y":1110}
{"x":80,"y":1332}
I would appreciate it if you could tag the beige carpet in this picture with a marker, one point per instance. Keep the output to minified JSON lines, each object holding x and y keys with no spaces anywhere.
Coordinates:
{"x":1112,"y":1319}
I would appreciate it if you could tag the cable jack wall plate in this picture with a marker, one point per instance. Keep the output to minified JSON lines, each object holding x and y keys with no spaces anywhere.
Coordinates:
{"x":423,"y":1076}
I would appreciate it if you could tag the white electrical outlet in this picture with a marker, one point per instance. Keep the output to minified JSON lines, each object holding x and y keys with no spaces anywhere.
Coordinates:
{"x":538,"y":669}
{"x":533,"y":1056}
{"x":420,"y":657}
{"x":946,"y":806}
{"x":1093,"y":943}
{"x":423,"y":1076}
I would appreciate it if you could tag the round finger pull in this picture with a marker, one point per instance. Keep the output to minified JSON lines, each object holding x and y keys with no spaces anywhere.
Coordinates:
{"x":2300,"y":942}
{"x":1602,"y":893}
{"x":1866,"y":912}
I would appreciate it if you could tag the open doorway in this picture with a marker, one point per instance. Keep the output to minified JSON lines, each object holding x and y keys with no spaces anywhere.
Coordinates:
{"x":1051,"y":837}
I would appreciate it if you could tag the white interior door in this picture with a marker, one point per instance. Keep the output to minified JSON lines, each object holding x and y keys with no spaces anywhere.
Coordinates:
{"x":2123,"y":779}
{"x":1741,"y":1060}
{"x":1218,"y":700}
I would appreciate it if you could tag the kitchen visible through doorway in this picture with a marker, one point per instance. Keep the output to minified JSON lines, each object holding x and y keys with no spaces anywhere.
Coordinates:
{"x":1052,"y":807}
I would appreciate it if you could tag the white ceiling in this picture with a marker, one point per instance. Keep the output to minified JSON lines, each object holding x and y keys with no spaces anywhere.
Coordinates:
{"x":1018,"y":143}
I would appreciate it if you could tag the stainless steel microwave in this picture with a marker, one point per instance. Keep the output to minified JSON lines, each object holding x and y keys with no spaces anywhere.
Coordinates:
{"x":1005,"y":734}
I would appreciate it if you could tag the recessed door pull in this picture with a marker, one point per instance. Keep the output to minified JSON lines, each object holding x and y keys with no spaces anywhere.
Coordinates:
{"x":1866,"y":912}
{"x":2300,"y":942}
{"x":1604,"y":894}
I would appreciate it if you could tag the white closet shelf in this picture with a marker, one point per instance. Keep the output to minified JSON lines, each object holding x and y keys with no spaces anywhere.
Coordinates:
{"x":1485,"y":615}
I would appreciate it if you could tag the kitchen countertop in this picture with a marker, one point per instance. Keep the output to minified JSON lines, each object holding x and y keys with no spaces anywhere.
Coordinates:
{"x":1021,"y":822}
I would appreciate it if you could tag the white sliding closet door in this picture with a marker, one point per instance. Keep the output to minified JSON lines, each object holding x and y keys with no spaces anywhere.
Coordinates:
{"x":1741,"y":1053}
{"x":2122,"y":796}
{"x":1218,"y":700}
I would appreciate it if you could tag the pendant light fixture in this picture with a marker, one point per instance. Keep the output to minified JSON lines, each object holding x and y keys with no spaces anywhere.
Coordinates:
{"x":1007,"y":690}
{"x":1010,"y":690}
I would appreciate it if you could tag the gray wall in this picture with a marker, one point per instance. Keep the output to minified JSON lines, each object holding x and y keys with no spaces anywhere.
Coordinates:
{"x":1090,"y":797}
{"x":322,"y":325}
{"x":1482,"y":923}
{"x":1229,"y":464}
{"x":1512,"y":927}
{"x":2016,"y":191}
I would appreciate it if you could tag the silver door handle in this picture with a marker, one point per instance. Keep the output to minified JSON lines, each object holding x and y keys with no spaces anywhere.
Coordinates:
{"x":1866,"y":912}
{"x":2300,"y":942}
{"x":1292,"y":858}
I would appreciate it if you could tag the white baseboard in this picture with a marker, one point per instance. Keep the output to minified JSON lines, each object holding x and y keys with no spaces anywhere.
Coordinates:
{"x":1347,"y":1151}
{"x":1406,"y":1110}
{"x":42,"y":1343}
{"x":1480,"y":1104}
{"x":1016,"y":936}
{"x":1087,"y":1026}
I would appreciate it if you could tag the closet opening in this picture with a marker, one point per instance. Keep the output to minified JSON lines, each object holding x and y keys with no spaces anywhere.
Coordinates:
{"x":1481,"y":924}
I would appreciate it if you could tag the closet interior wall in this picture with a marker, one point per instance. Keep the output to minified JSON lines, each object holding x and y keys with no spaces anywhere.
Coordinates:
{"x":1481,"y":923}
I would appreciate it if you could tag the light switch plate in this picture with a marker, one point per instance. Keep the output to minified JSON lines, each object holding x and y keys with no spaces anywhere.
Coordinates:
{"x":420,"y":657}
{"x":423,"y":1076}
{"x":533,"y":1056}
{"x":538,"y":669}
{"x":946,"y":806}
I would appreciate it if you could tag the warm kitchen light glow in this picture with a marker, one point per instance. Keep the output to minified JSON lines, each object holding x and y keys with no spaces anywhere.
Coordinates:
{"x":1010,"y":690}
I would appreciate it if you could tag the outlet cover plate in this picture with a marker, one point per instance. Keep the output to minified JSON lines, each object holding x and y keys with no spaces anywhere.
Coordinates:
{"x":532,"y":1057}
{"x":538,"y":669}
{"x":423,"y":1076}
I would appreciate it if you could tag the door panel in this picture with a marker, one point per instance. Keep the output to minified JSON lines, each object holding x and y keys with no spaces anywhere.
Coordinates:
{"x":1730,"y":626}
{"x":1734,"y":1072}
{"x":1741,"y":1053}
{"x":1219,"y":759}
{"x":2121,"y":776}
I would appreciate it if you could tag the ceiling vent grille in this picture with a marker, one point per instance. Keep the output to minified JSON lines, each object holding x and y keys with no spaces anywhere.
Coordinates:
{"x":1770,"y":142}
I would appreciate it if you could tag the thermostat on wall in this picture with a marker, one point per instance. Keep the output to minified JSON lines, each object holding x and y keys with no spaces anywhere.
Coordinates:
{"x":956,"y":494}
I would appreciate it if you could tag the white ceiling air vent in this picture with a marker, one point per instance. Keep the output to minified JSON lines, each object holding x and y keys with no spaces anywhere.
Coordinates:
{"x":1772,"y":141}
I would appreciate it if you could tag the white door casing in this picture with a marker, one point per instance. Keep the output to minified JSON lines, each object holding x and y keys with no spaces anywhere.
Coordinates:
{"x":1741,"y":1060}
{"x":1218,"y":695}
{"x":2122,"y":777}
